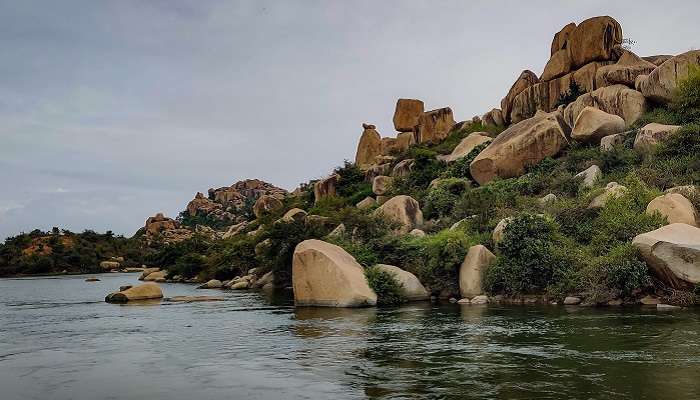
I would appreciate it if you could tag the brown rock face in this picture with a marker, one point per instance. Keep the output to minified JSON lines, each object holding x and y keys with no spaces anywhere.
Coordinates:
{"x":523,"y":144}
{"x":593,"y":124}
{"x":625,"y":71}
{"x":325,"y":187}
{"x":663,"y":80}
{"x":160,"y":223}
{"x":203,"y":205}
{"x":526,"y":79}
{"x":658,"y":59}
{"x":433,"y":126}
{"x":404,"y":210}
{"x":594,"y":39}
{"x":560,"y":38}
{"x":493,"y":118}
{"x":617,"y":99}
{"x":558,"y":65}
{"x":265,"y":204}
{"x":652,"y":134}
{"x":407,"y":113}
{"x":403,"y":168}
{"x":369,"y":147}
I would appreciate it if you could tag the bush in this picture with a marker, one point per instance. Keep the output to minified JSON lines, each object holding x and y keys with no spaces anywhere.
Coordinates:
{"x":617,"y":274}
{"x":352,"y":185}
{"x":686,"y":98}
{"x":389,"y":291}
{"x":187,"y":266}
{"x":460,"y":167}
{"x":231,"y":257}
{"x":440,"y":200}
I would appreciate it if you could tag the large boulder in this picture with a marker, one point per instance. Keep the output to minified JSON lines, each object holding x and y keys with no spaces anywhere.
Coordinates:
{"x":367,"y":202}
{"x":159,"y":223}
{"x":523,"y":144}
{"x":407,"y":113}
{"x":403,"y":209}
{"x":475,"y":263}
{"x":675,"y":207}
{"x":560,"y":38}
{"x":660,"y":84}
{"x":589,"y":176}
{"x":146,"y":291}
{"x":433,"y":126}
{"x":325,"y":275}
{"x":266,"y":204}
{"x":616,"y":99}
{"x":411,"y":288}
{"x":109,"y":265}
{"x":325,"y":187}
{"x":625,"y":71}
{"x":148,"y":271}
{"x":294,"y":215}
{"x":595,"y":39}
{"x":652,"y":134}
{"x":493,"y":118}
{"x":369,"y":147}
{"x":592,"y":125}
{"x":467,"y":145}
{"x":381,"y":184}
{"x":558,"y":65}
{"x":673,"y":253}
{"x":526,"y":79}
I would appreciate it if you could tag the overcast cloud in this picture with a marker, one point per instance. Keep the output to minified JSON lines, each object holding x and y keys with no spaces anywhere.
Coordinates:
{"x":111,"y":111}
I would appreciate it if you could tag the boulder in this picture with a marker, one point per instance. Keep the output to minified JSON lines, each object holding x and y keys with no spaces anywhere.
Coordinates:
{"x":609,"y":142}
{"x":612,"y":190}
{"x":338,"y":231}
{"x":433,"y":126}
{"x":673,"y":253}
{"x":411,"y":288}
{"x":211,"y":284}
{"x":675,"y":207}
{"x":266,"y":204}
{"x":381,"y":184}
{"x":325,"y":275}
{"x":92,"y":279}
{"x":592,"y":125}
{"x":147,"y":272}
{"x":481,"y":299}
{"x":240,"y":285}
{"x":407,"y":113}
{"x":649,"y":300}
{"x":267,"y":279}
{"x":572,"y":300}
{"x":526,"y":79}
{"x":475,"y":263}
{"x":560,"y":38}
{"x":404,"y":140}
{"x":686,"y":190}
{"x":376,"y":170}
{"x":500,"y":229}
{"x":369,"y":147}
{"x":109,"y":265}
{"x":521,"y":145}
{"x":493,"y":118}
{"x":403,"y":209}
{"x":403,"y":168}
{"x":616,"y":99}
{"x":549,"y":198}
{"x":325,"y":187}
{"x":660,"y":84}
{"x":368,"y":202}
{"x":625,"y":71}
{"x":652,"y":134}
{"x":417,"y":233}
{"x":467,"y":145}
{"x":594,"y":39}
{"x":155,"y":276}
{"x":559,"y":64}
{"x":590,"y":176}
{"x":146,"y":291}
{"x":294,"y":215}
{"x":658,"y":59}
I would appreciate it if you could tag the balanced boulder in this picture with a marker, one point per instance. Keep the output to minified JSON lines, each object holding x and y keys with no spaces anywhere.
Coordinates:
{"x":403,"y":209}
{"x":369,"y":147}
{"x":146,"y":291}
{"x":660,"y":84}
{"x":652,"y":134}
{"x":475,"y":263}
{"x":324,"y":274}
{"x":675,"y":207}
{"x":411,"y":288}
{"x":433,"y":126}
{"x":673,"y":253}
{"x":592,"y":125}
{"x":595,"y":39}
{"x":407,"y":113}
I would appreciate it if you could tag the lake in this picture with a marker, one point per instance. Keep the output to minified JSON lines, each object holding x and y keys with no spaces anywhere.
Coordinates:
{"x":60,"y":340}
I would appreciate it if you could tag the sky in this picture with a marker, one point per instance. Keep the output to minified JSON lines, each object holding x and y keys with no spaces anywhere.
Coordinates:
{"x":111,"y":111}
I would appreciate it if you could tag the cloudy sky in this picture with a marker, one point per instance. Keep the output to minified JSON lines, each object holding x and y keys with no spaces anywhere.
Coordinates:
{"x":113,"y":110}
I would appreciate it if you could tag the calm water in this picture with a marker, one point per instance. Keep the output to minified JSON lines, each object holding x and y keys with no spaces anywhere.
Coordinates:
{"x":59,"y":340}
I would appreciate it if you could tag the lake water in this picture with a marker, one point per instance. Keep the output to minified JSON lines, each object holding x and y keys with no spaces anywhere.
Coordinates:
{"x":59,"y":340}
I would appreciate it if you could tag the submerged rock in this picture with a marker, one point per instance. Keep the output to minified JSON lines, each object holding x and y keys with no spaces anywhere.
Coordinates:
{"x":145,"y":291}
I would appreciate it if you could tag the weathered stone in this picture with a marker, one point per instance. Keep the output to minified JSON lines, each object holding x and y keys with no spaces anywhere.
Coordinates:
{"x":403,"y":168}
{"x":381,"y":184}
{"x":609,"y":142}
{"x":146,"y":291}
{"x":407,"y":113}
{"x":244,"y":284}
{"x":376,"y":170}
{"x":108,"y":265}
{"x":268,"y":278}
{"x":675,"y":207}
{"x":338,"y":231}
{"x":467,"y":145}
{"x":649,"y":300}
{"x":211,"y":284}
{"x":521,"y":145}
{"x":266,"y":204}
{"x":368,"y":202}
{"x":673,"y":253}
{"x":558,"y":65}
{"x":560,"y":38}
{"x":549,"y":198}
{"x":154,"y":276}
{"x":652,"y":134}
{"x":404,"y":210}
{"x":493,"y":118}
{"x":433,"y":126}
{"x":592,"y":125}
{"x":594,"y":39}
{"x":590,"y":176}
{"x":325,"y":188}
{"x":294,"y":215}
{"x":625,"y":71}
{"x":660,"y":84}
{"x":475,"y":263}
{"x":481,"y":299}
{"x":658,"y":59}
{"x":500,"y":230}
{"x":616,"y":99}
{"x":417,"y":233}
{"x":147,"y":272}
{"x":369,"y":147}
{"x":572,"y":300}
{"x":526,"y":79}
{"x":612,"y":190}
{"x":325,"y":275}
{"x":411,"y":288}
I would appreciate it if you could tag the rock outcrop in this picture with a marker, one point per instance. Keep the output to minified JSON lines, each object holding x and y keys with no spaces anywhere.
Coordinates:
{"x":592,"y":125}
{"x":675,"y":207}
{"x":475,"y":263}
{"x":162,"y":229}
{"x":369,"y":147}
{"x":652,"y":134}
{"x":523,"y":144}
{"x":659,"y":85}
{"x":146,"y":291}
{"x":433,"y":126}
{"x":673,"y":253}
{"x":595,"y":39}
{"x":407,"y":113}
{"x":411,"y":288}
{"x":616,"y":99}
{"x":325,"y":187}
{"x":266,"y":204}
{"x":325,"y":275}
{"x":405,"y":210}
{"x":625,"y":71}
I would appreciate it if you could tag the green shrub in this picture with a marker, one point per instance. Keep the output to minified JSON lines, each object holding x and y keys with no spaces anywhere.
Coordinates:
{"x":686,"y":98}
{"x":570,"y":95}
{"x":440,"y":200}
{"x":362,"y":252}
{"x":389,"y":291}
{"x":232,"y":257}
{"x":460,"y":167}
{"x":616,"y":274}
{"x":188,"y":265}
{"x":352,"y":185}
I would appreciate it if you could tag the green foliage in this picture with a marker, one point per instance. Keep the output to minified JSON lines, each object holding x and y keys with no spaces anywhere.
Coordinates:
{"x":167,"y":255}
{"x":352,"y":185}
{"x":188,"y":265}
{"x":188,"y":220}
{"x":616,"y":274}
{"x":570,"y":95}
{"x":686,"y":98}
{"x":389,"y":291}
{"x":460,"y":167}
{"x":440,"y":200}
{"x":362,"y":252}
{"x":232,"y":257}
